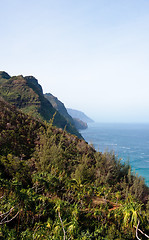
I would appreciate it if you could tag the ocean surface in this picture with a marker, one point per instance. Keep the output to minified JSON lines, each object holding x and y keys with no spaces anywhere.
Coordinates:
{"x":130,"y":142}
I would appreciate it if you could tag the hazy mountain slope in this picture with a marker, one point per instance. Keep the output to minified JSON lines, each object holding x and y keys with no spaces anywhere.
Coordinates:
{"x":26,"y":94}
{"x":80,"y":115}
{"x":79,"y":124}
{"x":60,"y":107}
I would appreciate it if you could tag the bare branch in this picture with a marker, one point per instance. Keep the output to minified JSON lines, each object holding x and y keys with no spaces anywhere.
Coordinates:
{"x":7,"y":212}
{"x":62,"y":225}
{"x":10,"y":219}
{"x":141,"y":231}
{"x":137,"y":231}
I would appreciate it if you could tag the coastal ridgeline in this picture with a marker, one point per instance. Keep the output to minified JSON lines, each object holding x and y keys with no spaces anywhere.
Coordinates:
{"x":60,"y":107}
{"x":26,"y":94}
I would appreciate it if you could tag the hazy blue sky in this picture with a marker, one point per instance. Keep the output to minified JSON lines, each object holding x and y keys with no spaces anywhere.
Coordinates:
{"x":92,"y":54}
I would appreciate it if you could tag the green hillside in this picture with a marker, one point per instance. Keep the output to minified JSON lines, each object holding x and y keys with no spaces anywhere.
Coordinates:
{"x":55,"y":186}
{"x":26,"y":94}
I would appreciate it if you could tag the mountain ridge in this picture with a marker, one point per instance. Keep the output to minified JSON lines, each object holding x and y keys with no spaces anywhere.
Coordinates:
{"x":27,"y":94}
{"x":60,"y":107}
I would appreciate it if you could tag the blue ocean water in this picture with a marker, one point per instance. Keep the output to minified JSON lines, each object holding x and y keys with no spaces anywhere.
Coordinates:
{"x":128,"y":141}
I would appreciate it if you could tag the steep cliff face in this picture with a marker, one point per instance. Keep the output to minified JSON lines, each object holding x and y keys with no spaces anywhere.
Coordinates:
{"x":60,"y":107}
{"x":26,"y":94}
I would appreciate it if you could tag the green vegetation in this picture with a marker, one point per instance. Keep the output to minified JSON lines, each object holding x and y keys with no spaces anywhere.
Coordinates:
{"x":26,"y":94}
{"x":53,"y":185}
